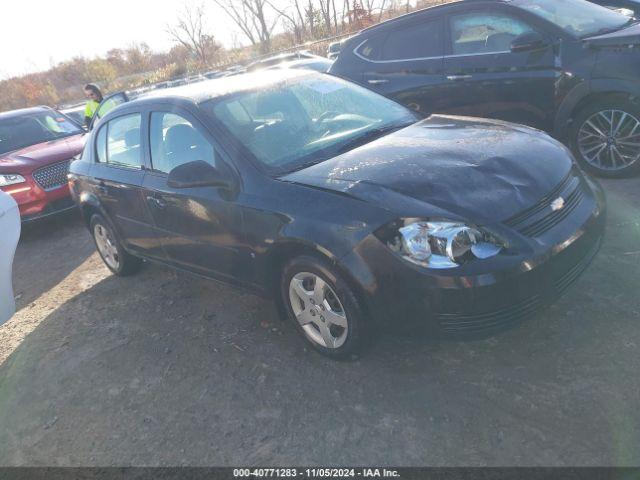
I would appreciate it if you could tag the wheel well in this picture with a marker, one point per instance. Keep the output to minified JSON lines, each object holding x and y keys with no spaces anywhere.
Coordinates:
{"x":599,"y":97}
{"x":88,"y":211}
{"x":285,"y":252}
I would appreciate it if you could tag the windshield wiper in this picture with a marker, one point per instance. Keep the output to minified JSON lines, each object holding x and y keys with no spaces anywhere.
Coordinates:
{"x":370,"y":136}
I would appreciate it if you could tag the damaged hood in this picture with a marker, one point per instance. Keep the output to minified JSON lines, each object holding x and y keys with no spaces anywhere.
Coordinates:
{"x":481,"y":170}
{"x":626,"y":36}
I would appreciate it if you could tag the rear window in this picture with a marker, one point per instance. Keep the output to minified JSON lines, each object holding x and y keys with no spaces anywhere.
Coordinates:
{"x":118,"y":142}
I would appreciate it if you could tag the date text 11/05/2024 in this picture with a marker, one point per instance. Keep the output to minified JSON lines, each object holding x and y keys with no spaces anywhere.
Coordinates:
{"x":315,"y":473}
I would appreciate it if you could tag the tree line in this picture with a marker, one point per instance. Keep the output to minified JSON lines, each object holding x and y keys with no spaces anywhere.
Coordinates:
{"x":261,"y":27}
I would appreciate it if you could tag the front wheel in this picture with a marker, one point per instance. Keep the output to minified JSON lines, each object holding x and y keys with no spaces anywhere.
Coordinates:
{"x":323,"y":307}
{"x":605,"y":137}
{"x":110,"y":249}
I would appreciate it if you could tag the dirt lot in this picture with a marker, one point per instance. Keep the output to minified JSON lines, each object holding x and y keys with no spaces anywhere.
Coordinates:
{"x":165,"y":369}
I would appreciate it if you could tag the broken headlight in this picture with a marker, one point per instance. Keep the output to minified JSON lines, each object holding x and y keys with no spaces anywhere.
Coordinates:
{"x":442,"y":244}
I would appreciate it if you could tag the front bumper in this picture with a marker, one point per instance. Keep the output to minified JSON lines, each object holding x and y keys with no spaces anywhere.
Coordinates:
{"x":473,"y":302}
{"x":35,"y":203}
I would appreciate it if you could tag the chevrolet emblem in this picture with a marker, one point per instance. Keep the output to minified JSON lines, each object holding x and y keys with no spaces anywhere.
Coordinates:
{"x":557,"y":204}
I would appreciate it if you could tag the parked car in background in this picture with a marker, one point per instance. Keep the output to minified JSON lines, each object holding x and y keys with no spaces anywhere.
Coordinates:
{"x":281,"y":58}
{"x":10,"y":228}
{"x":319,"y":64}
{"x":36,"y":147}
{"x":109,"y":103}
{"x":345,"y":206}
{"x":569,"y":67}
{"x":627,"y":7}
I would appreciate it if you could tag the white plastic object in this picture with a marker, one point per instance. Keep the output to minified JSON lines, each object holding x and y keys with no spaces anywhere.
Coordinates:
{"x":9,"y":236}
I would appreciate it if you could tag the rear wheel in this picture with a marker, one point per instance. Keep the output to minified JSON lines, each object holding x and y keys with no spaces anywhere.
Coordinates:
{"x":605,"y":138}
{"x":323,"y":307}
{"x":110,"y":249}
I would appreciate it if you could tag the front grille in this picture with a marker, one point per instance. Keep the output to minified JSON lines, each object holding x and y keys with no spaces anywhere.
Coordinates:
{"x":52,"y":176}
{"x":539,"y":219}
{"x":457,"y":323}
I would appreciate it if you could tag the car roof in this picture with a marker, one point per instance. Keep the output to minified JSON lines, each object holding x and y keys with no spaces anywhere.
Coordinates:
{"x":220,"y":87}
{"x":23,"y":111}
{"x":434,"y":8}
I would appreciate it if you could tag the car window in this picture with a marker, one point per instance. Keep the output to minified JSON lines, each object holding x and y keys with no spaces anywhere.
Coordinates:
{"x":371,"y":48}
{"x":478,"y":33}
{"x":101,"y":145}
{"x":175,"y":141}
{"x":419,"y":41}
{"x":123,"y":141}
{"x":576,"y":17}
{"x":110,"y":103}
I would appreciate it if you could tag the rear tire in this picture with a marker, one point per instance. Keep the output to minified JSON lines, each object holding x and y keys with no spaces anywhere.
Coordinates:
{"x":111,"y":250}
{"x":605,"y":137}
{"x":323,"y":307}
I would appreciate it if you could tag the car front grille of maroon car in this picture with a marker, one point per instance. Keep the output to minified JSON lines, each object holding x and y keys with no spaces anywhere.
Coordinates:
{"x":52,"y":176}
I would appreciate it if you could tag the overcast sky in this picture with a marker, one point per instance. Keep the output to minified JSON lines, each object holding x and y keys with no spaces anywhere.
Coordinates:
{"x":34,"y":35}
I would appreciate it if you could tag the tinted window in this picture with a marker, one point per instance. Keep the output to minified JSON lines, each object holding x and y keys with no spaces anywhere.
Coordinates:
{"x":371,"y":48}
{"x":419,"y":41}
{"x":485,"y":33}
{"x":577,"y":17}
{"x":123,"y":141}
{"x":175,"y":141}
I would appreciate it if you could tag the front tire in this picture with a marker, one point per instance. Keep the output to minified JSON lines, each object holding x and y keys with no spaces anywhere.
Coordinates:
{"x":605,"y":138}
{"x":111,"y":250}
{"x":323,"y":307}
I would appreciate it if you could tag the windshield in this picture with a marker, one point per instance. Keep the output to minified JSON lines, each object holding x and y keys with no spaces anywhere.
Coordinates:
{"x":577,"y":17}
{"x":30,"y":129}
{"x":307,"y":120}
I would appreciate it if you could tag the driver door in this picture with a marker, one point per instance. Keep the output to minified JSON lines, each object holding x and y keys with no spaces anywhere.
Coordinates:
{"x":484,"y":78}
{"x":199,"y":228}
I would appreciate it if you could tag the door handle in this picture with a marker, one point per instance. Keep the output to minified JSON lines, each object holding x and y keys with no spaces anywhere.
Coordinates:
{"x":158,"y":202}
{"x":379,"y":81}
{"x":459,"y":78}
{"x":102,"y":188}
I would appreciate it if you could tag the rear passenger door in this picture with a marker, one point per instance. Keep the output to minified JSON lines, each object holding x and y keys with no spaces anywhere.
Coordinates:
{"x":117,"y":179}
{"x":484,"y":78}
{"x":406,"y":63}
{"x":200,"y":228}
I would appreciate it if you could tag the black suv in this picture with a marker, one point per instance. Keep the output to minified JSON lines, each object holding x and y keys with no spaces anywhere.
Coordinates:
{"x":569,"y":67}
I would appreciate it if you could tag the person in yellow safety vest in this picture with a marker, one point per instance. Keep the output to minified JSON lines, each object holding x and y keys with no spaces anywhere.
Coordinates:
{"x":94,"y":97}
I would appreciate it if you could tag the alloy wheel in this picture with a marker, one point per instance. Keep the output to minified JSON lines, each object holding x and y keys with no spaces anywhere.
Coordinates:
{"x":318,"y":310}
{"x":610,"y":140}
{"x":106,"y":246}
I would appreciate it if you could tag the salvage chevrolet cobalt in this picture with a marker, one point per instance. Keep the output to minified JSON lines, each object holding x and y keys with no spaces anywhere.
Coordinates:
{"x":346,"y":207}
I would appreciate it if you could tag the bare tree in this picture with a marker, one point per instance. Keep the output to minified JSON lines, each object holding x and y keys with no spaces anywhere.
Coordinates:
{"x":190,"y":31}
{"x":251,"y":18}
{"x":294,"y":17}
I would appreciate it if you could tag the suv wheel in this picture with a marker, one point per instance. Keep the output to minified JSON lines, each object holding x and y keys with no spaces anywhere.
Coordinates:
{"x":322,"y":306}
{"x":605,"y":138}
{"x":110,"y":249}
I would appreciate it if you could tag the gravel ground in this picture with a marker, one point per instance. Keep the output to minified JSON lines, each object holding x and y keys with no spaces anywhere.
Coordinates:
{"x":166,"y":369}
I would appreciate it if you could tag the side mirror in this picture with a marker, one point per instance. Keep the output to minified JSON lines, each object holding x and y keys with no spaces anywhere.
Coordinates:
{"x":529,"y":42}
{"x":196,"y":174}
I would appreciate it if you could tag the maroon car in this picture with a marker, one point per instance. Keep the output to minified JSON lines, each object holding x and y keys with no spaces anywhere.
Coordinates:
{"x":36,"y":146}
